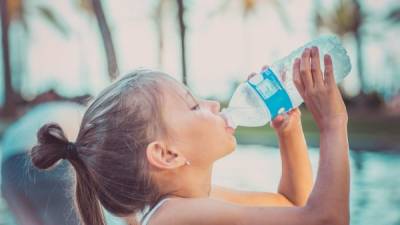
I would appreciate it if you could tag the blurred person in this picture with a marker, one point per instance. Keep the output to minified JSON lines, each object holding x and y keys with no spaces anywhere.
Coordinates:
{"x":146,"y":148}
{"x":34,"y":196}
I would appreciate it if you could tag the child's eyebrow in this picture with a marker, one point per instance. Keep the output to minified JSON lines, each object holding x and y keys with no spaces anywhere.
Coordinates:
{"x":188,"y":94}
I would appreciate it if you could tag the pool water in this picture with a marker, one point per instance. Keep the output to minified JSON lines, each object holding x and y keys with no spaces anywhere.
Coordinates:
{"x":375,"y":181}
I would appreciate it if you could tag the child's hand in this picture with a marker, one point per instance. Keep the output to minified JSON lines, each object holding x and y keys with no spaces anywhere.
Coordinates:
{"x":287,"y":122}
{"x":319,"y":90}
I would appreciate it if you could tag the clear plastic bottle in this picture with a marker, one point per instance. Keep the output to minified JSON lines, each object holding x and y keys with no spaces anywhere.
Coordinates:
{"x":272,"y":92}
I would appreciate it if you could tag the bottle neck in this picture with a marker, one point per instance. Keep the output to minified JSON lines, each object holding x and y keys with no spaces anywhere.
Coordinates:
{"x":226,"y":114}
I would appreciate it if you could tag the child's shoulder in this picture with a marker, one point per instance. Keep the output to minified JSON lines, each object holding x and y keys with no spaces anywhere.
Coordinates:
{"x":195,"y":211}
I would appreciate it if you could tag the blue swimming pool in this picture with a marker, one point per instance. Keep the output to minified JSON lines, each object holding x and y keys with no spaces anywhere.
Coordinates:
{"x":375,"y":181}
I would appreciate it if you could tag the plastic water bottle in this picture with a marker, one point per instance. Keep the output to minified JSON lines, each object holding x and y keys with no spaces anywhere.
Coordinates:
{"x":272,"y":92}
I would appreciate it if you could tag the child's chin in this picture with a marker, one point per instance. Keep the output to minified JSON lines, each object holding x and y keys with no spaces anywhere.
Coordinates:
{"x":232,"y":145}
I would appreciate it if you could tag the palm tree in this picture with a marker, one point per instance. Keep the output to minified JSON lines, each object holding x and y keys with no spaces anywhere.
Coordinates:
{"x":9,"y":106}
{"x":394,"y":15}
{"x":182,"y":36}
{"x":346,"y":19}
{"x":180,"y":16}
{"x":15,"y":12}
{"x":96,"y":7}
{"x":158,"y":21}
{"x":248,"y":6}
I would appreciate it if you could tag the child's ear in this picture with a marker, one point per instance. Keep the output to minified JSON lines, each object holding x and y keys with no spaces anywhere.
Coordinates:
{"x":160,"y":156}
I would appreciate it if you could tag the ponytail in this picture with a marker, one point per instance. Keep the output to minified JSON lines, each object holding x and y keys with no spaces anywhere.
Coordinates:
{"x":86,"y":200}
{"x":54,"y":146}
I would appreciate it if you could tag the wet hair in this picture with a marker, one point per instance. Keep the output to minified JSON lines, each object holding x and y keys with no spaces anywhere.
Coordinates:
{"x":109,"y":157}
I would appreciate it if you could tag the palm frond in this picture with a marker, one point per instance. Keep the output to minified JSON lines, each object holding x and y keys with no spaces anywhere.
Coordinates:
{"x":345,"y":18}
{"x":394,"y":15}
{"x":49,"y":15}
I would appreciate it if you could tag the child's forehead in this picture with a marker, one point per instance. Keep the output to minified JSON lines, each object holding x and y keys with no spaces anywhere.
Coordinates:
{"x":177,"y":92}
{"x":172,"y":86}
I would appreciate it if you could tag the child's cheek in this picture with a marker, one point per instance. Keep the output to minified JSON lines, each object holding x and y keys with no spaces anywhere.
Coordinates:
{"x":206,"y":116}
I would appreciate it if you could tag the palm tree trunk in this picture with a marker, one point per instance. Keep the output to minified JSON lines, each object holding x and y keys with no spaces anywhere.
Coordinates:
{"x":182,"y":32}
{"x":112,"y":64}
{"x":9,"y":104}
{"x":360,"y":62}
{"x":160,"y":31}
{"x":359,"y":47}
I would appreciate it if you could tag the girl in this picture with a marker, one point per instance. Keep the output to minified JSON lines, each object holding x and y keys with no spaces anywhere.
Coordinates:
{"x":146,"y":142}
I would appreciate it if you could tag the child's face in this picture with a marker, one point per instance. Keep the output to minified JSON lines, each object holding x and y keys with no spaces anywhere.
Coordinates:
{"x":194,"y":125}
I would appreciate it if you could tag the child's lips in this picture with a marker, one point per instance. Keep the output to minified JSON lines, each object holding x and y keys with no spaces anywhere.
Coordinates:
{"x":227,"y":118}
{"x":230,"y":129}
{"x":227,"y":127}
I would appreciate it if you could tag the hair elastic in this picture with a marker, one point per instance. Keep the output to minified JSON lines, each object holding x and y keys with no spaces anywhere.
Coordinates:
{"x":70,"y":151}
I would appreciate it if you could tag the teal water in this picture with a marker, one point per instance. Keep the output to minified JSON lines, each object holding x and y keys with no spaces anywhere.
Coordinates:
{"x":375,"y":181}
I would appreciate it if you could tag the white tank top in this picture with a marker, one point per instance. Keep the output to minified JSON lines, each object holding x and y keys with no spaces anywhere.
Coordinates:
{"x":146,"y":217}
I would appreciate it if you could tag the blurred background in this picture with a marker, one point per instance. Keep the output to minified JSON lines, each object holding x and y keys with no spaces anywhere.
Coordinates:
{"x":69,"y":50}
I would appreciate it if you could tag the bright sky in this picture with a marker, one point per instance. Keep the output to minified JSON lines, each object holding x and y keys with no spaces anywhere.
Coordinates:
{"x":222,"y":47}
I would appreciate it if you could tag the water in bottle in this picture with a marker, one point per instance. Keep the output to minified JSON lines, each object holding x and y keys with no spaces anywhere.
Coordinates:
{"x":272,"y":92}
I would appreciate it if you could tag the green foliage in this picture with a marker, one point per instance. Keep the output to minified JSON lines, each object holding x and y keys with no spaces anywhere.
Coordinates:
{"x":394,"y":15}
{"x":345,"y":18}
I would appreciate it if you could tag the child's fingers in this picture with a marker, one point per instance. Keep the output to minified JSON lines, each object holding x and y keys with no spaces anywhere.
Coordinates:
{"x":296,"y":77}
{"x":316,"y":68}
{"x":265,"y":67}
{"x":305,"y":72}
{"x":328,"y":73}
{"x":251,"y":75}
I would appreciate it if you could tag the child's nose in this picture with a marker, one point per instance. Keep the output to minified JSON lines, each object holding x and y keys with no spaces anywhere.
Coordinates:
{"x":215,"y":106}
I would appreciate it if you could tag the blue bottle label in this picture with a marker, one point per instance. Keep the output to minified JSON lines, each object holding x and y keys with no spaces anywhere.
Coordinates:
{"x":272,"y":93}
